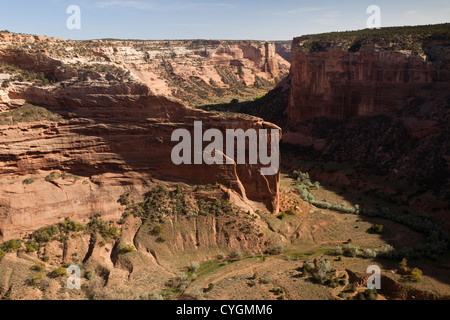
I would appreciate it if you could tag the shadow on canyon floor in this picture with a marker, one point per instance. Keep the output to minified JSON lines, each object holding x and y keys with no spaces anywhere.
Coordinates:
{"x":394,"y":234}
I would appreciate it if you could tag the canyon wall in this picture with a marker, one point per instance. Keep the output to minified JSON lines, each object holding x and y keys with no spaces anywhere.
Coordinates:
{"x":337,"y":83}
{"x":377,"y":101}
{"x":194,"y":71}
{"x":108,"y":133}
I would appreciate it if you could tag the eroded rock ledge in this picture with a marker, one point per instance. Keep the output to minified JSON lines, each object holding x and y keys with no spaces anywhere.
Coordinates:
{"x":116,"y":136}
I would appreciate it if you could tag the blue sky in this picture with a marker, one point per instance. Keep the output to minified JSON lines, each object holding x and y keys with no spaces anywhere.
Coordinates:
{"x":211,"y":19}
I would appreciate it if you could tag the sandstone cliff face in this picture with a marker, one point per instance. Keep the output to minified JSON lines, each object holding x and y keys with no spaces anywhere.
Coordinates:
{"x":379,"y":106}
{"x":114,"y":136}
{"x":341,"y":84}
{"x":195,"y":71}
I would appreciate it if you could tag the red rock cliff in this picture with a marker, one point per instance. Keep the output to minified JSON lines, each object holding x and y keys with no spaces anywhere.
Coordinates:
{"x":338,"y":83}
{"x":112,"y":136}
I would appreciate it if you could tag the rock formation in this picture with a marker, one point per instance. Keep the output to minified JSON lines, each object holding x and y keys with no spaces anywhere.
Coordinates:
{"x":340,"y":84}
{"x":376,"y":100}
{"x":110,"y":134}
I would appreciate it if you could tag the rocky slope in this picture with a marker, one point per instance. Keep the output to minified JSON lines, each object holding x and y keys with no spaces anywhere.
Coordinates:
{"x":103,"y":131}
{"x":195,"y":71}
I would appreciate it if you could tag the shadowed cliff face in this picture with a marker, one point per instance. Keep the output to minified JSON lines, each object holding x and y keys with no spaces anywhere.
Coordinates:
{"x":113,"y":133}
{"x":379,"y":106}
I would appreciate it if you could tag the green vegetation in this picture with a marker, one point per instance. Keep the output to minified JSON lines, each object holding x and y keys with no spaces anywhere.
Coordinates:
{"x":322,"y":272}
{"x":282,"y":216}
{"x":408,"y":274}
{"x":127,"y":249}
{"x":11,"y":246}
{"x":393,"y":38}
{"x":368,"y":294}
{"x":21,"y":75}
{"x":28,"y":113}
{"x":416,"y":275}
{"x":378,"y":228}
{"x":437,"y":239}
{"x":58,"y":272}
{"x":27,"y":181}
{"x":63,"y":175}
{"x":161,"y":202}
{"x":106,"y":230}
{"x":304,"y":188}
{"x":86,"y":71}
{"x":32,"y":246}
{"x":45,"y":235}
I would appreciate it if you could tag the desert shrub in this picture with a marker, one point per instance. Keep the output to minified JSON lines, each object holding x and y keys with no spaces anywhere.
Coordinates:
{"x":308,"y":268}
{"x":387,"y":251}
{"x":124,"y":199}
{"x":28,"y":113}
{"x":416,"y":275}
{"x":323,"y":268}
{"x":45,"y":234}
{"x":282,"y":216}
{"x":28,"y":181}
{"x":266,"y":280}
{"x":52,"y":176}
{"x":89,"y":275}
{"x":378,"y":228}
{"x":370,"y":254}
{"x":275,"y":250}
{"x":105,"y":229}
{"x":338,"y":251}
{"x":38,"y":267}
{"x":11,"y":246}
{"x":351,"y":250}
{"x":156,"y":297}
{"x":321,"y":272}
{"x":70,"y":226}
{"x":31,"y":245}
{"x":196,"y":292}
{"x":209,"y":288}
{"x":162,"y":238}
{"x":58,"y":272}
{"x":36,"y":279}
{"x":182,"y":280}
{"x":157,"y":230}
{"x":127,"y":249}
{"x":368,"y":294}
{"x":194,"y":266}
{"x":290,"y":211}
{"x":236,"y":255}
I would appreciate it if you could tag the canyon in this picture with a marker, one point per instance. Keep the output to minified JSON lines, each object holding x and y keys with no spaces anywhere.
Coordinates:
{"x":86,"y":176}
{"x":111,"y":125}
{"x":374,"y":101}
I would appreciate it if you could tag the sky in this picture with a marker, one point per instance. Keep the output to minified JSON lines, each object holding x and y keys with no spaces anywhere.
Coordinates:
{"x":211,"y":19}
